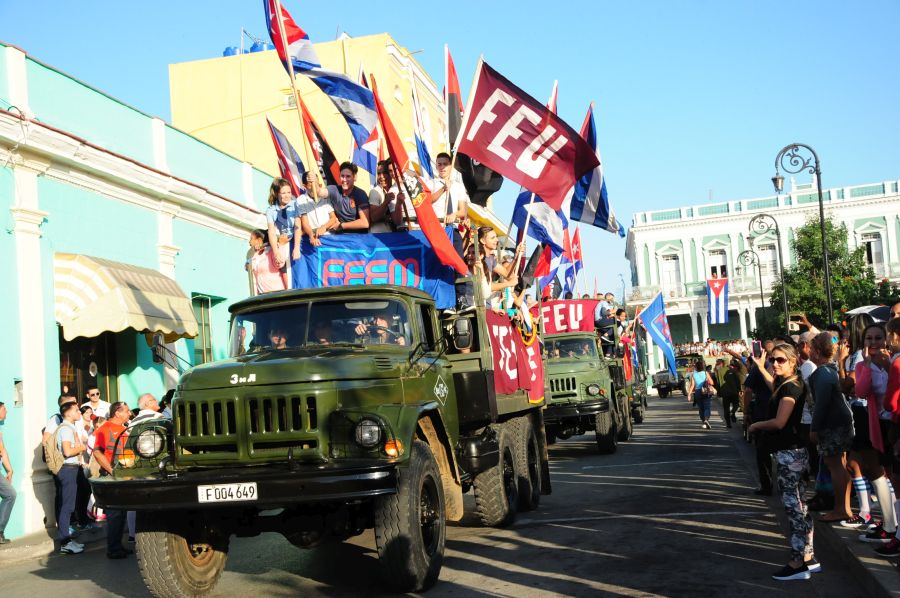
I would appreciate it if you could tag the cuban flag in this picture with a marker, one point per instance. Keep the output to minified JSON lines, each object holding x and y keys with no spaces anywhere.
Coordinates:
{"x":717,"y":295}
{"x":289,"y":163}
{"x":567,"y":266}
{"x":353,"y":101}
{"x":653,"y":319}
{"x":589,"y":201}
{"x":577,"y":257}
{"x":366,"y":157}
{"x":546,"y":226}
{"x":419,"y":131}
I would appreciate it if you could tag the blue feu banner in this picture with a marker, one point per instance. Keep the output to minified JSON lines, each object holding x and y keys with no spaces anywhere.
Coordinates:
{"x":654,"y":320}
{"x":404,"y":259}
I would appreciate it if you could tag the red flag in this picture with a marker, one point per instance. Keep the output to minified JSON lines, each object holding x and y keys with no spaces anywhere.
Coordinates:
{"x":322,"y":154}
{"x":452,"y":97}
{"x":417,"y":190}
{"x":576,"y":250}
{"x":515,"y":135}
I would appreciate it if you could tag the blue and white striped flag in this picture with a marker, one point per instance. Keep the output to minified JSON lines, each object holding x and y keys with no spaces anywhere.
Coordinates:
{"x":353,"y":101}
{"x":589,"y":201}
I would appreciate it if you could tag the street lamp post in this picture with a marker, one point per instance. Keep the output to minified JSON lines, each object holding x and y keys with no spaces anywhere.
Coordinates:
{"x":761,"y":224}
{"x":793,"y":162}
{"x":748,"y":258}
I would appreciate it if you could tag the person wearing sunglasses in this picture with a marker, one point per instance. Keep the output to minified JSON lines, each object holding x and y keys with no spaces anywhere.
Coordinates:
{"x":783,"y":436}
{"x":99,"y":407}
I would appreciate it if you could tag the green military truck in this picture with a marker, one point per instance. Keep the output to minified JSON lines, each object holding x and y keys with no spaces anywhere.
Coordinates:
{"x":581,"y":394}
{"x":340,"y":409}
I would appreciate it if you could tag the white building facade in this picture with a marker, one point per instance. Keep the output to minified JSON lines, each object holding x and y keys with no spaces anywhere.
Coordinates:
{"x":675,"y":251}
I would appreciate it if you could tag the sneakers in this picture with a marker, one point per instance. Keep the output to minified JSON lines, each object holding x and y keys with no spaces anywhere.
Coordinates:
{"x":705,"y":425}
{"x":788,"y":573}
{"x":813,"y":565}
{"x":877,"y":536}
{"x":71,"y":547}
{"x":890,"y":550}
{"x":3,"y":539}
{"x":854,"y":522}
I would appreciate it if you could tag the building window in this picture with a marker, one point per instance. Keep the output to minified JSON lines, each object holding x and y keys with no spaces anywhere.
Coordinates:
{"x":768,"y":259}
{"x":671,"y":275}
{"x":717,"y":261}
{"x":203,"y":342}
{"x":874,"y":252}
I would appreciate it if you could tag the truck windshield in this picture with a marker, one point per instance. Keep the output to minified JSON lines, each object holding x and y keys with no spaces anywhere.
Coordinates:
{"x":682,"y":362}
{"x":367,"y":322}
{"x":571,"y":348}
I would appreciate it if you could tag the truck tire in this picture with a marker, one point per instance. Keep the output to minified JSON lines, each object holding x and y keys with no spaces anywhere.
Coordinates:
{"x":171,"y":565}
{"x":627,"y":428}
{"x":639,"y":415}
{"x":528,"y":465}
{"x":607,"y":443}
{"x":663,"y":392}
{"x":497,"y":489}
{"x":411,"y":525}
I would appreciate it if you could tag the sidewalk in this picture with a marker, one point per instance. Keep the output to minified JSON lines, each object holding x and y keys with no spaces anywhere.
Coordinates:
{"x":876,"y":575}
{"x":43,"y":544}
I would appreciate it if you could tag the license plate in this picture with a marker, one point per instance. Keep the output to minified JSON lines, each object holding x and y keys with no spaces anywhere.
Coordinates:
{"x":227,"y":492}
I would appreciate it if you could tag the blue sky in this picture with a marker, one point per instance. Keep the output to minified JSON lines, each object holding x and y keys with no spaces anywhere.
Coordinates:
{"x":693,"y":98}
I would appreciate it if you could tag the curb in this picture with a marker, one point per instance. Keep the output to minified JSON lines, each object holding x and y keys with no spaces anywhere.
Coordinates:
{"x":41,"y":545}
{"x":876,"y":575}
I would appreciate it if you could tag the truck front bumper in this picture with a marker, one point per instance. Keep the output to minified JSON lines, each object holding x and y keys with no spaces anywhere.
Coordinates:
{"x":556,"y":413}
{"x":275,"y":486}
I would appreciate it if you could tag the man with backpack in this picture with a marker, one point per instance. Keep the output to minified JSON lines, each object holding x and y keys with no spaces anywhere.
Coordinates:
{"x":68,"y":443}
{"x":47,"y":442}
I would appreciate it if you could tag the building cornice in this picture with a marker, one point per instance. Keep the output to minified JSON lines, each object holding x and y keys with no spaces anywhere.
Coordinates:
{"x":68,"y":158}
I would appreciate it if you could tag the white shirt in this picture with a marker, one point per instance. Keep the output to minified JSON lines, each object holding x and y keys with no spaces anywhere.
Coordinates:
{"x":456,"y":194}
{"x":806,"y":370}
{"x":102,"y":408}
{"x":318,"y":211}
{"x":376,"y":198}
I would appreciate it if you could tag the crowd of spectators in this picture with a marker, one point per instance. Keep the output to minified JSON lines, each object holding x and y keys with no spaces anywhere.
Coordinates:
{"x":712,"y":348}
{"x":83,"y":439}
{"x":823,"y":408}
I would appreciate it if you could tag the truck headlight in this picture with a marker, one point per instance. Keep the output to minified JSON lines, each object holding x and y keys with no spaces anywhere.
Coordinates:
{"x":149,"y":444}
{"x":367,"y":433}
{"x":593,"y":390}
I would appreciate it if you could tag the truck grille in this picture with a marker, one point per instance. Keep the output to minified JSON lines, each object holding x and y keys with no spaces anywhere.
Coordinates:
{"x":268,"y":427}
{"x":563,"y":384}
{"x":206,"y":427}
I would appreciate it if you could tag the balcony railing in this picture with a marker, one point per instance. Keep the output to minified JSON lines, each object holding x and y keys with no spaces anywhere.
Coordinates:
{"x":691,"y":290}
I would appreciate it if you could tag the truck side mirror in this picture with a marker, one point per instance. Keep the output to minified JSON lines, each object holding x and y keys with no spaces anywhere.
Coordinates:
{"x":158,"y":348}
{"x":462,"y":333}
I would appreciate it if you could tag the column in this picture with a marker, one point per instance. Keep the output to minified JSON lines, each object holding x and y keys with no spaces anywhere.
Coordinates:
{"x":654,"y":268}
{"x":651,"y":356}
{"x":752,"y":310}
{"x":167,"y":252}
{"x":705,"y":322}
{"x":694,"y":331}
{"x":158,"y":137}
{"x":732,"y":259}
{"x":688,"y":261}
{"x":743,"y":320}
{"x":890,"y":247}
{"x":33,"y":482}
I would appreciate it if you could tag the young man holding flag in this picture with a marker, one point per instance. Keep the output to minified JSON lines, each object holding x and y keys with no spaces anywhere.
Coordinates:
{"x":350,"y":203}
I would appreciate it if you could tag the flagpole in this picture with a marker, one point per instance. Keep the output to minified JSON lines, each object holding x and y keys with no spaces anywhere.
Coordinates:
{"x":469,"y":103}
{"x":290,"y":70}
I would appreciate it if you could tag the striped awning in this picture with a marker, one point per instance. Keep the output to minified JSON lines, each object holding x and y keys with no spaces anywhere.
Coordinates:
{"x":94,"y":295}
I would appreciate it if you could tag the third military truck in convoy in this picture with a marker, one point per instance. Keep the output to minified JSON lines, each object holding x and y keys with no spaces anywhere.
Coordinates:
{"x":339,"y":409}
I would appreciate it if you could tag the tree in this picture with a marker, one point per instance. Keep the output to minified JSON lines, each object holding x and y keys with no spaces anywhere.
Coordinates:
{"x":853,"y":282}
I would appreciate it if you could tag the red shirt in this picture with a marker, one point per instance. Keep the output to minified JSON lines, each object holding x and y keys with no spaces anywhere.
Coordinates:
{"x":105,"y":438}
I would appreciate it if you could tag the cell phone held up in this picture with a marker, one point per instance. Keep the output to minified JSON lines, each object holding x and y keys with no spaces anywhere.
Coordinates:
{"x":757,"y":349}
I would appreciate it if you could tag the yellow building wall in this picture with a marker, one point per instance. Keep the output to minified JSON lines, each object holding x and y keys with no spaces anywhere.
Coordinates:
{"x":225,"y":101}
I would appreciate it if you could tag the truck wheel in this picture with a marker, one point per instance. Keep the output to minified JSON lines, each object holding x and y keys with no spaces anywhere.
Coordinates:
{"x":172,"y":564}
{"x":627,"y":428}
{"x":607,"y":443}
{"x":663,"y":392}
{"x":639,"y":415}
{"x":497,"y":489}
{"x":528,"y":465}
{"x":411,"y":526}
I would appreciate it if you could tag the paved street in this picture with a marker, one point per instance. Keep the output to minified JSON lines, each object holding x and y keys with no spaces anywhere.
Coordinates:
{"x":671,"y":514}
